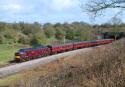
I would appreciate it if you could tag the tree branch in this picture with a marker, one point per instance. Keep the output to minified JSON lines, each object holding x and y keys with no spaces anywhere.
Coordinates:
{"x":97,"y":6}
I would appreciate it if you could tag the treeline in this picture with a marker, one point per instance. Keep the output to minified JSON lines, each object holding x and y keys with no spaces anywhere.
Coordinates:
{"x":107,"y":27}
{"x":36,"y":33}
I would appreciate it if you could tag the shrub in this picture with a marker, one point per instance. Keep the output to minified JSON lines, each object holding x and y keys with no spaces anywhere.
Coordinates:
{"x":39,"y":38}
{"x":24,"y":39}
{"x":2,"y":39}
{"x":101,"y":67}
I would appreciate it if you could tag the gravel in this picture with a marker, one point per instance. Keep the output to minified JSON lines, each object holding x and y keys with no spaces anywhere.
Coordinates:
{"x":10,"y":70}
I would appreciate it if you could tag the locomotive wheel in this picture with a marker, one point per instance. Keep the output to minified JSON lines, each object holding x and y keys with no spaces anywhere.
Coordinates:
{"x":28,"y":59}
{"x":46,"y":54}
{"x":42,"y":55}
{"x":34,"y":57}
{"x":18,"y":61}
{"x":39,"y":56}
{"x":22,"y":60}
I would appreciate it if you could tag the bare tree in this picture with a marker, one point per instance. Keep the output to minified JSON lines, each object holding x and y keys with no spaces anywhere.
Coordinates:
{"x":96,"y":7}
{"x":116,"y":21}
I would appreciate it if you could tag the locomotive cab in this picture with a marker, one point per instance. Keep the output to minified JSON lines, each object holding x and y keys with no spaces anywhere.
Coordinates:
{"x":17,"y":56}
{"x":20,"y":55}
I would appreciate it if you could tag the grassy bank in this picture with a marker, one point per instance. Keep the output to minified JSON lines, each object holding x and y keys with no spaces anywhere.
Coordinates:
{"x":7,"y":52}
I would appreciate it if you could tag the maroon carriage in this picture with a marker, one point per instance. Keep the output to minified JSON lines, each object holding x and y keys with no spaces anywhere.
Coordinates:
{"x":83,"y":44}
{"x":61,"y":48}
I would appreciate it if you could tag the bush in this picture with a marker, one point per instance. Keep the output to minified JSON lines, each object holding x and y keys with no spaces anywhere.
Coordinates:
{"x":49,"y":30}
{"x":39,"y":38}
{"x":24,"y":39}
{"x":101,"y":67}
{"x":60,"y":34}
{"x":2,"y":39}
{"x":9,"y":33}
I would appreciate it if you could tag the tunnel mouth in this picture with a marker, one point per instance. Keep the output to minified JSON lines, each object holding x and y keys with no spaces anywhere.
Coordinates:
{"x":113,"y":35}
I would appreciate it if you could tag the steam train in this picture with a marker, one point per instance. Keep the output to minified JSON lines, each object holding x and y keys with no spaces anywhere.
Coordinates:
{"x":27,"y":54}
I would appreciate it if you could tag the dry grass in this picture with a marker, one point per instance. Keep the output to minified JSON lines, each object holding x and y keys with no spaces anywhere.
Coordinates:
{"x":102,"y":67}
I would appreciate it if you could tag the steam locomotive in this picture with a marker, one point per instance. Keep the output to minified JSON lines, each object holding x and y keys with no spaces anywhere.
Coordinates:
{"x":27,"y":54}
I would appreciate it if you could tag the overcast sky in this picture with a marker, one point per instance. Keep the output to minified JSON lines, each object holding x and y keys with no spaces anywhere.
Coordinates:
{"x":44,"y":11}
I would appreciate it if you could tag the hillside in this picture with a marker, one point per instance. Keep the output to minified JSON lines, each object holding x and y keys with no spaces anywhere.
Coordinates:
{"x":101,"y":67}
{"x":36,"y":33}
{"x":21,"y":35}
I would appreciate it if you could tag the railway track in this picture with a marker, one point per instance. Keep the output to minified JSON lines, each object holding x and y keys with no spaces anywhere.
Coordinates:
{"x":13,"y":69}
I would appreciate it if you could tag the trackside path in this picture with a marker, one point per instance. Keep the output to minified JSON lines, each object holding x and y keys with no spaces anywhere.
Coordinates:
{"x":6,"y":71}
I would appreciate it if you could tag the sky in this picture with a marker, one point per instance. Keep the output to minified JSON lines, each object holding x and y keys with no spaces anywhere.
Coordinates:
{"x":45,"y":11}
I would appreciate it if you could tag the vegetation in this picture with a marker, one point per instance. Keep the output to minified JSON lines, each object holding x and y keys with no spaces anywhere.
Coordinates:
{"x":101,"y":67}
{"x":97,"y":7}
{"x":7,"y":52}
{"x":25,"y":33}
{"x":36,"y":34}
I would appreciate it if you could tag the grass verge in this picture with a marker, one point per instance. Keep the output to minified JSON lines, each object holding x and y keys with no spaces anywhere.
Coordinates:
{"x":7,"y":52}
